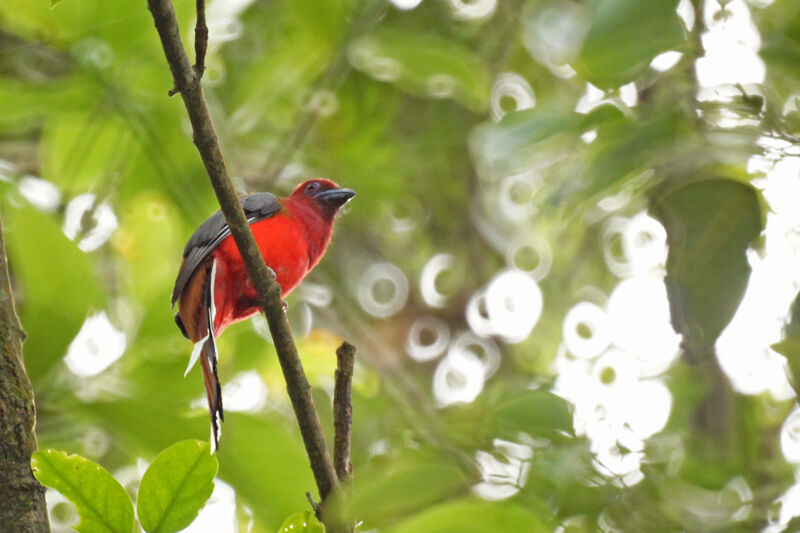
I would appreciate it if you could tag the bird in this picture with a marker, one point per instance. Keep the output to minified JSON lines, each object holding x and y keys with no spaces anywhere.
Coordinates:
{"x":213,"y":289}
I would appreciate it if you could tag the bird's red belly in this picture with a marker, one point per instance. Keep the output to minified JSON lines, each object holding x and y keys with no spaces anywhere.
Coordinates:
{"x":282,"y":244}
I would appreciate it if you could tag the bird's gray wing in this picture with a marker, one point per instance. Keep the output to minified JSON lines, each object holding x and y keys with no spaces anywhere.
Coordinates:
{"x":213,"y":231}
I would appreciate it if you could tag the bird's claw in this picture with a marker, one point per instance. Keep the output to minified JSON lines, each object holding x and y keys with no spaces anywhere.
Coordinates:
{"x":275,"y":278}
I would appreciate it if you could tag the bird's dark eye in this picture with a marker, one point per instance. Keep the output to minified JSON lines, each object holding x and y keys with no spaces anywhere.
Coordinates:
{"x":312,"y":187}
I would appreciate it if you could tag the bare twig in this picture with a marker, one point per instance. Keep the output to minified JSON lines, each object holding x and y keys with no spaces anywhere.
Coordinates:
{"x":269,"y":292}
{"x":343,"y":410}
{"x":314,"y":505}
{"x":22,"y":505}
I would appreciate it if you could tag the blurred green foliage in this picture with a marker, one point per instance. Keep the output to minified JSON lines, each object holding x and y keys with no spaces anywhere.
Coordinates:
{"x":409,"y":108}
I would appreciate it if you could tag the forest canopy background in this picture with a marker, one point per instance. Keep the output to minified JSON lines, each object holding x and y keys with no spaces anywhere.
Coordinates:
{"x":568,"y":269}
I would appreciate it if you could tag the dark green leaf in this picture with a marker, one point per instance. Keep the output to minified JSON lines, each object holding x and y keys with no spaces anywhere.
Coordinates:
{"x":535,"y":412}
{"x":176,"y":486}
{"x":710,"y":225}
{"x":101,"y":502}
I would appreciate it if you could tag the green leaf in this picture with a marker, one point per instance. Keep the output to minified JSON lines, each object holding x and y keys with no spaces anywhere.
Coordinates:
{"x":624,"y":37}
{"x":304,"y":522}
{"x":102,"y":503}
{"x":176,"y":486}
{"x":535,"y":412}
{"x":54,"y":3}
{"x":472,"y":516}
{"x":710,"y":224}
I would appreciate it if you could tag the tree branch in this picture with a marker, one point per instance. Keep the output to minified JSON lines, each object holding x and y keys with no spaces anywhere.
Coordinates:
{"x":343,"y":410}
{"x":22,"y":505}
{"x":269,"y":292}
{"x":200,"y":40}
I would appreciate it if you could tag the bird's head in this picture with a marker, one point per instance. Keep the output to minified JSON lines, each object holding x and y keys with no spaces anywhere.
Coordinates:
{"x":323,"y":195}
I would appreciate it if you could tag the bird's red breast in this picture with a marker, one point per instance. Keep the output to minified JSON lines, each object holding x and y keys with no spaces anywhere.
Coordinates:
{"x":283,"y":243}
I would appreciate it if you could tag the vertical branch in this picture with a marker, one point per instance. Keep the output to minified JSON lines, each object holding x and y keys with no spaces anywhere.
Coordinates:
{"x":22,"y":505}
{"x":269,"y":292}
{"x":343,"y":410}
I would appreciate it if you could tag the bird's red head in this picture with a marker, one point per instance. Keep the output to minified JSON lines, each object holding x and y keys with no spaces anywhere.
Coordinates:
{"x":323,"y":195}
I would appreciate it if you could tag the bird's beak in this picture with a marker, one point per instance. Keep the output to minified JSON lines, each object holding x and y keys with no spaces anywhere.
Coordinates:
{"x":335,"y":198}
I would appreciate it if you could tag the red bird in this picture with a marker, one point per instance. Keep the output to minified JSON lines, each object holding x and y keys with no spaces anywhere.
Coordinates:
{"x":213,"y":289}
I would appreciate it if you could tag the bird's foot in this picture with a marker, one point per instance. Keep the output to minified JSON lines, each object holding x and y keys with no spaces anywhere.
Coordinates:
{"x":272,"y":273}
{"x":285,"y":306}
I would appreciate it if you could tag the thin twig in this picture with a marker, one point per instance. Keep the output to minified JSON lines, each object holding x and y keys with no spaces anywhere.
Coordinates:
{"x":314,"y":505}
{"x":269,"y":292}
{"x":343,"y":410}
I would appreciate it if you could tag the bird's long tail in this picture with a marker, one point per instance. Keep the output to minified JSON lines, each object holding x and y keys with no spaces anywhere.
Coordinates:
{"x":208,"y":360}
{"x":206,"y":350}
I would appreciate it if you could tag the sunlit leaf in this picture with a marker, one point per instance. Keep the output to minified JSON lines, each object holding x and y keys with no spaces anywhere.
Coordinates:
{"x":625,"y":35}
{"x":304,"y":522}
{"x":176,"y":486}
{"x":101,"y":502}
{"x":710,"y":225}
